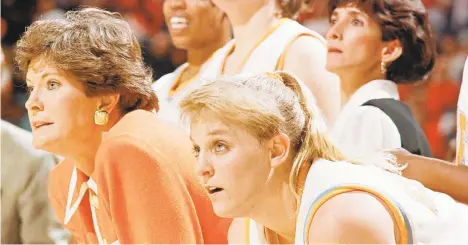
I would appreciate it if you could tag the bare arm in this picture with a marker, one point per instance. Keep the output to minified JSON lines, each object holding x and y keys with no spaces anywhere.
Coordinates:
{"x":352,"y":218}
{"x":435,"y":174}
{"x":306,"y":59}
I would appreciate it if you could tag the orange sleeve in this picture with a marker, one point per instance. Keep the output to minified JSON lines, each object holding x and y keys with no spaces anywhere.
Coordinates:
{"x":145,"y":198}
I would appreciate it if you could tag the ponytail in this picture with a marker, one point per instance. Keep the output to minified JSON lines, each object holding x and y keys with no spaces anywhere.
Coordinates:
{"x":313,"y":143}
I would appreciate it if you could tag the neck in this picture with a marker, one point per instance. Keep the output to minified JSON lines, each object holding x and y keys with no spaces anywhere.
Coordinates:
{"x":83,"y":154}
{"x":246,"y":26}
{"x":282,"y":204}
{"x":351,"y":81}
{"x":196,"y":57}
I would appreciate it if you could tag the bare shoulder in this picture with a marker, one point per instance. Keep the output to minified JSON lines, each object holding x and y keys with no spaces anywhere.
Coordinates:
{"x":306,"y":59}
{"x":355,"y":217}
{"x":307,"y":49}
{"x":237,"y":231}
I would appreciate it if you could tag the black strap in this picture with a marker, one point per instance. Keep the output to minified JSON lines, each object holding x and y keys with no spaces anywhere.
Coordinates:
{"x":412,"y":136}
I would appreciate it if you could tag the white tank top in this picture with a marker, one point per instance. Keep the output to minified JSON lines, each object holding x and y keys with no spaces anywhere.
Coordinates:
{"x":267,"y":56}
{"x":420,"y":215}
{"x":169,"y":110}
{"x":462,"y":123}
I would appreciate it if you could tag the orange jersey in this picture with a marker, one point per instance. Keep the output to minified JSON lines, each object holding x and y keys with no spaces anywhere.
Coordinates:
{"x":143,"y":189}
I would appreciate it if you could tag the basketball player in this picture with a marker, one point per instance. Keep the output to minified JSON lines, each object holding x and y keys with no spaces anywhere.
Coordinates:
{"x":265,"y":159}
{"x":200,"y":28}
{"x":267,"y":39}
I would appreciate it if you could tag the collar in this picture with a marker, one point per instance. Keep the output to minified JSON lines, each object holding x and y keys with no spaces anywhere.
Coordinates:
{"x":376,"y":89}
{"x":84,"y":185}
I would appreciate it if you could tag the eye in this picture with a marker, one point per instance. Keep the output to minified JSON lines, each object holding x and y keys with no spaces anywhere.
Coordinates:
{"x":357,"y":22}
{"x":220,"y":147}
{"x":51,"y":85}
{"x":332,"y":21}
{"x":196,"y":151}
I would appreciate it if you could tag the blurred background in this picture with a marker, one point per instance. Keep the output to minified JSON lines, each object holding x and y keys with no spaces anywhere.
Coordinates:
{"x":433,"y":101}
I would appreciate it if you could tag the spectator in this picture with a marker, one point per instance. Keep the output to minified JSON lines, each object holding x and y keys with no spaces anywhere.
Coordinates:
{"x":27,"y":217}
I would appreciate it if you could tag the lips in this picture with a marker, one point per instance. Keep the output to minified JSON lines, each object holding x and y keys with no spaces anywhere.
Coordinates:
{"x":39,"y":124}
{"x":334,"y":50}
{"x":213,"y":189}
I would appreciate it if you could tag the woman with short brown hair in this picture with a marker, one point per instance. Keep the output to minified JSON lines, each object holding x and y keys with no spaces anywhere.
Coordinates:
{"x":124,"y":179}
{"x":373,"y":46}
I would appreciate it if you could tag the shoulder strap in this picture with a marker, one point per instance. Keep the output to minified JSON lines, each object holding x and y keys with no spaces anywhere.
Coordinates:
{"x":412,"y":136}
{"x":403,"y":233}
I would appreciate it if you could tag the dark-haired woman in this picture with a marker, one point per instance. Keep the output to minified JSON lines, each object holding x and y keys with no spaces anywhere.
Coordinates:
{"x":373,"y":46}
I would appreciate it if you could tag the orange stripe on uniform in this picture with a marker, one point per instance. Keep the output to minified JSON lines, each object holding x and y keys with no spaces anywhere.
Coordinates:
{"x":280,"y":64}
{"x":399,"y":218}
{"x":247,"y":231}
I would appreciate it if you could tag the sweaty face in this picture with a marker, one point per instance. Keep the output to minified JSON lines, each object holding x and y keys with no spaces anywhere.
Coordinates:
{"x":233,"y":165}
{"x":60,"y":113}
{"x":192,"y":23}
{"x":354,"y":41}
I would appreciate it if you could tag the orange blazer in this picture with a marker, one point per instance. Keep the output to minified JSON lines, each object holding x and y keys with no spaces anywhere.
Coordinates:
{"x":144,"y":189}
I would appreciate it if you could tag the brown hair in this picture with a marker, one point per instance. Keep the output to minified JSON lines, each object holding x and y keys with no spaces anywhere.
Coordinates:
{"x":291,"y":8}
{"x":407,"y":21}
{"x":99,"y":48}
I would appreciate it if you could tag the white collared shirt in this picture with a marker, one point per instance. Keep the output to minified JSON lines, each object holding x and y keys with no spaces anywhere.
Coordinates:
{"x":360,"y":130}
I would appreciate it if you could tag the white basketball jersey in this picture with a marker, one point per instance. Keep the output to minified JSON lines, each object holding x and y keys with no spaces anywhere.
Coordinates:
{"x":169,"y":104}
{"x":462,"y":123}
{"x":266,"y":56}
{"x":420,"y":215}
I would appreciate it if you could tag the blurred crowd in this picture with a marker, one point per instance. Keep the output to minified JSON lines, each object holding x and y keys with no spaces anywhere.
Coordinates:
{"x":432,"y":101}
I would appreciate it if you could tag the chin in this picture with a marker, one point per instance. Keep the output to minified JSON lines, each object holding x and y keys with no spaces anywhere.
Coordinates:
{"x":181,"y":42}
{"x":42,"y":143}
{"x":226,"y":210}
{"x":334,"y":68}
{"x":46,"y":143}
{"x":223,"y":213}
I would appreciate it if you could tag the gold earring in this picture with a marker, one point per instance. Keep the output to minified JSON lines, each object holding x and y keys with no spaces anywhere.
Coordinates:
{"x":101,"y":117}
{"x":270,"y":175}
{"x":383,"y":67}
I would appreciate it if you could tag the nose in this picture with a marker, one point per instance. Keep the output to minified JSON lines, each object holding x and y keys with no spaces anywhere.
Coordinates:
{"x":34,"y":103}
{"x":335,"y":32}
{"x":204,"y":167}
{"x":175,"y":4}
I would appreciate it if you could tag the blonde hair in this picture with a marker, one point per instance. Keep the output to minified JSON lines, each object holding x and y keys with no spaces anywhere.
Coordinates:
{"x":265,"y":105}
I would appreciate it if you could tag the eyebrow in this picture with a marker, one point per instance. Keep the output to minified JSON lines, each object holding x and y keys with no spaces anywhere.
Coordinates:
{"x":218,"y":132}
{"x":44,"y":76}
{"x":351,"y":11}
{"x":214,"y":132}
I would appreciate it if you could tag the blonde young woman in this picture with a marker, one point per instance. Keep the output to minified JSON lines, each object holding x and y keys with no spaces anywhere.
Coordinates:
{"x":263,"y":154}
{"x":200,"y":28}
{"x":266,"y":38}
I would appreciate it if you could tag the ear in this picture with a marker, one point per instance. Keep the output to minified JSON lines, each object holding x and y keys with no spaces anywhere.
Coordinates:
{"x":279,"y":150}
{"x":392,"y":51}
{"x":109,"y":102}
